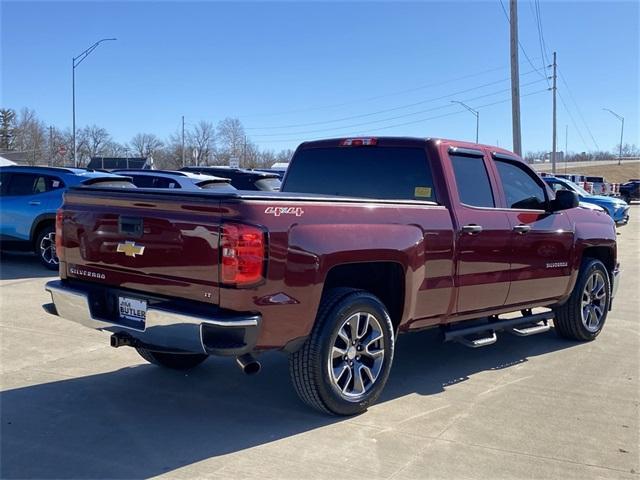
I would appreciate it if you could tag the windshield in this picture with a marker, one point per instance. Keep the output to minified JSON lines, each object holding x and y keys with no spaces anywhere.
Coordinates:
{"x":576,"y":188}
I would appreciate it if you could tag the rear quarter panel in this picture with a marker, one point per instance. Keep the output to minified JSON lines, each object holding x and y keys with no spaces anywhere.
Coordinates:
{"x":305,"y":244}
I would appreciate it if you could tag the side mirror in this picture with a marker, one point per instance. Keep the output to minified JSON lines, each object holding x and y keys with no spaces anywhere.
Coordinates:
{"x":565,"y":200}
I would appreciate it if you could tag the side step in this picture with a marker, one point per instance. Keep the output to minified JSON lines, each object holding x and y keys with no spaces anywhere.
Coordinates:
{"x":527,"y":330}
{"x":486,"y":334}
{"x":479,"y":341}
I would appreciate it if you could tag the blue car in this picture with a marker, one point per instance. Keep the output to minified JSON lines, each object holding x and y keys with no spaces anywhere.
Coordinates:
{"x":617,"y":209}
{"x":29,"y":198}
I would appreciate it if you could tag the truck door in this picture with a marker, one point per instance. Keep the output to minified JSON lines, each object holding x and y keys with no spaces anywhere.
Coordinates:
{"x":541,"y":242}
{"x":483,"y":234}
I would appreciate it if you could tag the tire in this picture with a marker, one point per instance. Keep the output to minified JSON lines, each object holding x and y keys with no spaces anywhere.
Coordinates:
{"x":333,"y":376}
{"x":45,"y":247}
{"x":583,"y":316}
{"x":175,"y":361}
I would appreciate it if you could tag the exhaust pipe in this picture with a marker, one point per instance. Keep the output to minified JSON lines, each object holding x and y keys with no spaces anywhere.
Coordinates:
{"x":248,"y":364}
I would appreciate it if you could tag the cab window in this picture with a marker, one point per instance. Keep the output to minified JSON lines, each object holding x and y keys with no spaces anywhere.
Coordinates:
{"x":521,"y":189}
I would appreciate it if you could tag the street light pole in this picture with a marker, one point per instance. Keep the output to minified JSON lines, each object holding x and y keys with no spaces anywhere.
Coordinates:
{"x":74,"y":63}
{"x":621,"y":118}
{"x":475,"y":112}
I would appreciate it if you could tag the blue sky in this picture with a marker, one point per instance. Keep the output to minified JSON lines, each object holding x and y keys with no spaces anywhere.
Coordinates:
{"x":301,"y":70}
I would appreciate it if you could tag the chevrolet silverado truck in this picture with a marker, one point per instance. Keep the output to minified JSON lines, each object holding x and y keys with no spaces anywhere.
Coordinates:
{"x":369,"y":238}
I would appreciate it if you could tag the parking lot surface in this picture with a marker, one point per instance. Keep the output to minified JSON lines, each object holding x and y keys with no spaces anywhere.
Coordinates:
{"x":536,"y":407}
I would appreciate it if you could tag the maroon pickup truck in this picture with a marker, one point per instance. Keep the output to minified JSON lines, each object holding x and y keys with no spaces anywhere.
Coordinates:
{"x":369,"y":237}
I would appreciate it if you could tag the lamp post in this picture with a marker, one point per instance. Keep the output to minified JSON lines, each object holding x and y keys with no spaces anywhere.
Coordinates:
{"x":75,"y":62}
{"x":621,"y":118}
{"x":475,"y":112}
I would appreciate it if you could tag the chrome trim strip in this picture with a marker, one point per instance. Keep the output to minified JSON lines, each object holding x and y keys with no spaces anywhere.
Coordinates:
{"x":163,"y":328}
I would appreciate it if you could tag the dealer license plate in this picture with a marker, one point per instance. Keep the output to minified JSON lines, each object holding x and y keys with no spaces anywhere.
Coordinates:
{"x":132,"y":309}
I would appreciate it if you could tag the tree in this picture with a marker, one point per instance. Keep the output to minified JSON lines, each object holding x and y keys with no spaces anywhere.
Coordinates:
{"x":30,"y":137}
{"x":231,"y":139}
{"x":201,"y":143}
{"x":145,"y":144}
{"x":92,"y":142}
{"x":7,"y":128}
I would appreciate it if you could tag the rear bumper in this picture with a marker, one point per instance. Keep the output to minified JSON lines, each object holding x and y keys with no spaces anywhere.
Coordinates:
{"x":165,"y":328}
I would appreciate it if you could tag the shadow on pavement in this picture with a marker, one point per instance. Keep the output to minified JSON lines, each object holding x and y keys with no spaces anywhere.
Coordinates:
{"x":143,"y":421}
{"x":19,"y":265}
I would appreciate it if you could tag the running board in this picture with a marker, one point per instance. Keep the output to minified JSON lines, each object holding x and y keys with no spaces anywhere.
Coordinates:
{"x":488,"y":330}
{"x":530,"y":330}
{"x":478,"y":342}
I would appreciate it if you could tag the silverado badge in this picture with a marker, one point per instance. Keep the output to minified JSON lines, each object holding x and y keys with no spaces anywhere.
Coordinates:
{"x":130,"y":249}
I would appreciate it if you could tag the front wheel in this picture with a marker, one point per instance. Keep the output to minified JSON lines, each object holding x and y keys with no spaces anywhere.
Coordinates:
{"x":175,"y":361}
{"x":582,"y":317}
{"x":45,"y":248}
{"x":344,"y":365}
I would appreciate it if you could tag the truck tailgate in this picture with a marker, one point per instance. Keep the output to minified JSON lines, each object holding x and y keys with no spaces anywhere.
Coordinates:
{"x":156,"y":242}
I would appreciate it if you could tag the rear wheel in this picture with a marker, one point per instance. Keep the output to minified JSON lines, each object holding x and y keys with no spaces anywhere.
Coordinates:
{"x":583,"y":316}
{"x":176,"y":361}
{"x":45,"y":247}
{"x":344,"y":364}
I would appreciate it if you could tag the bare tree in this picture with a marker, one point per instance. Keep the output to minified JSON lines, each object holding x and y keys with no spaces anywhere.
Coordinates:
{"x":145,"y":144}
{"x":231,"y":139}
{"x":201,"y":142}
{"x":92,"y":142}
{"x":30,"y":137}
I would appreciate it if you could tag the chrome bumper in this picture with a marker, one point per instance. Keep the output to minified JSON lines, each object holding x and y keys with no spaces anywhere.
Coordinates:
{"x":166,"y":329}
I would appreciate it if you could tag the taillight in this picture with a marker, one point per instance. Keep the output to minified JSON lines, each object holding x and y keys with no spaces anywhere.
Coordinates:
{"x":59,"y":248}
{"x":242,"y":250}
{"x":358,"y":142}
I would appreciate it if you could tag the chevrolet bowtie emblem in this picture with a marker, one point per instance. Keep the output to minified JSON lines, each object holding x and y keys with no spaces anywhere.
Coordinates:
{"x":130,"y":249}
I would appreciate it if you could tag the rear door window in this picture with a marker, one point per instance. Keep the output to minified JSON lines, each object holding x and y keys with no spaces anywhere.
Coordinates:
{"x":31,"y":183}
{"x":390,"y":173}
{"x":472,"y":179}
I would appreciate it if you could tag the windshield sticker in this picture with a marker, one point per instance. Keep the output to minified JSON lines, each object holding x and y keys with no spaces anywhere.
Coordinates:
{"x":277,"y":211}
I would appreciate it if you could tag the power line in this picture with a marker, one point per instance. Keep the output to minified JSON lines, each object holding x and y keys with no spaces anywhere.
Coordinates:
{"x":397,"y":117}
{"x":573,"y":121}
{"x":412,"y":122}
{"x":504,"y":10}
{"x":376,"y":97}
{"x":564,"y":81}
{"x":387,"y":110}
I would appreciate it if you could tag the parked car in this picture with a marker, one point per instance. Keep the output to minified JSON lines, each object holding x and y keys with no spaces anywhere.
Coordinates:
{"x":600,"y":185}
{"x":369,"y":237}
{"x":30,"y":197}
{"x":241,"y":178}
{"x":278,"y":171}
{"x":176,"y":180}
{"x":617,"y":209}
{"x":120,"y":163}
{"x":630,"y":191}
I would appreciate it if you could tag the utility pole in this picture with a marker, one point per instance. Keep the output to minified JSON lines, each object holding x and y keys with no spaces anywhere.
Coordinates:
{"x":244,"y":152}
{"x":183,"y":141}
{"x":566,"y":149}
{"x":50,"y":145}
{"x":554,"y":134}
{"x":515,"y":78}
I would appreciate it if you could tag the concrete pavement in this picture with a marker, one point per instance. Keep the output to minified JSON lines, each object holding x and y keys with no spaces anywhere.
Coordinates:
{"x":537,"y":407}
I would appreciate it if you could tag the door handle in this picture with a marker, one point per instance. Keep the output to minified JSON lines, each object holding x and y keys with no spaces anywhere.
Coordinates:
{"x":34,"y":202}
{"x":522,"y":229}
{"x":472,"y":229}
